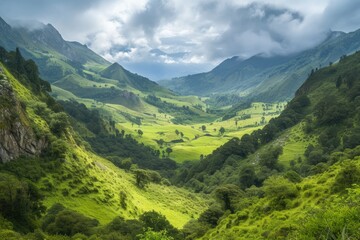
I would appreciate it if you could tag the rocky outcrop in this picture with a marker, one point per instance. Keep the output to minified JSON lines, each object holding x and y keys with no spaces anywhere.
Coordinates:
{"x":16,"y":138}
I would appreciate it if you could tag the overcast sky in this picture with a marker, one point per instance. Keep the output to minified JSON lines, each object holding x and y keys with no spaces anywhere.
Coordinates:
{"x":167,"y":38}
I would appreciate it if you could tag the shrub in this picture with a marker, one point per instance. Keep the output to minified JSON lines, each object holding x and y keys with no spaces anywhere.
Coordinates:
{"x":60,"y":220}
{"x":332,"y":223}
{"x":157,"y":222}
{"x":293,"y":176}
{"x":348,"y":175}
{"x":279,"y":190}
{"x":269,"y":158}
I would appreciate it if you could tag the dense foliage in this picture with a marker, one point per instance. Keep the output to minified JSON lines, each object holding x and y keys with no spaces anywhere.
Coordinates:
{"x":25,"y":70}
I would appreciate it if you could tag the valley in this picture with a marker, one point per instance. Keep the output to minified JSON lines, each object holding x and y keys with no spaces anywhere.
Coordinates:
{"x":266,"y":147}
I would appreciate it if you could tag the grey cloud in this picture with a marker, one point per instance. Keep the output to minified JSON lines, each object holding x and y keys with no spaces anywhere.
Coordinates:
{"x":189,"y":33}
{"x":64,"y":14}
{"x":342,"y":15}
{"x":257,"y":28}
{"x":155,"y":13}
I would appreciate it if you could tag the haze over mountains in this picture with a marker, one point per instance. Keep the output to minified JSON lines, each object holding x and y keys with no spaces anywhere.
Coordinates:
{"x":266,"y":78}
{"x":74,"y":67}
{"x":259,"y":78}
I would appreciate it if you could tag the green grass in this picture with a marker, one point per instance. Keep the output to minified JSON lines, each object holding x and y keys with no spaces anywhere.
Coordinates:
{"x":313,"y":195}
{"x":157,"y":125}
{"x":178,"y":205}
{"x":103,"y":181}
{"x":195,"y":141}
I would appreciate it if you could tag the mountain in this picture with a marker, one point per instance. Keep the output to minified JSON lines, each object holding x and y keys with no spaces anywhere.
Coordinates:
{"x":117,"y":72}
{"x":263,"y":78}
{"x":298,"y":177}
{"x":48,"y":49}
{"x":52,"y":183}
{"x":75,"y":68}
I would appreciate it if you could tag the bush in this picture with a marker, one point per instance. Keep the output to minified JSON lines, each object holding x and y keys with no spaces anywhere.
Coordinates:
{"x":293,"y":176}
{"x":333,"y":223}
{"x":348,"y":175}
{"x":60,"y":220}
{"x":153,"y":235}
{"x":279,"y":190}
{"x":59,"y":122}
{"x":20,"y":201}
{"x":123,"y":228}
{"x":228,"y":195}
{"x":211,"y":216}
{"x":157,"y":222}
{"x":269,"y":159}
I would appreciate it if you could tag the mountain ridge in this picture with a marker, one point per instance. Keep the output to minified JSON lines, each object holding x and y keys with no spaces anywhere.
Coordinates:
{"x":262,"y":78}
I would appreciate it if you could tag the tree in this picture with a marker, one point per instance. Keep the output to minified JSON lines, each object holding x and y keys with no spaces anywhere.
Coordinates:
{"x":227,"y":195}
{"x":157,"y":223}
{"x":59,"y":122}
{"x":123,"y":199}
{"x":168,"y":151}
{"x":247,"y":176}
{"x":60,"y":220}
{"x":140,"y":132}
{"x":19,"y":62}
{"x":269,"y":158}
{"x":339,"y":81}
{"x":222,"y":130}
{"x":152,"y":235}
{"x":141,"y":177}
{"x":181,"y":134}
{"x":211,"y":215}
{"x":160,"y":142}
{"x":177,"y":132}
{"x":347,"y":176}
{"x":279,"y":190}
{"x":20,"y":200}
{"x":203,"y":128}
{"x":125,"y":163}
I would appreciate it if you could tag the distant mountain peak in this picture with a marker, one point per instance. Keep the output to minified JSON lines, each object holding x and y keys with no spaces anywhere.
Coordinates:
{"x":4,"y":25}
{"x":116,"y":65}
{"x":335,"y":34}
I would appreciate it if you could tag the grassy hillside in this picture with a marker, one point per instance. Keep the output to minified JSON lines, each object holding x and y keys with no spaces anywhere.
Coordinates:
{"x":133,"y":102}
{"x":88,"y":186}
{"x":263,"y":78}
{"x":298,"y":177}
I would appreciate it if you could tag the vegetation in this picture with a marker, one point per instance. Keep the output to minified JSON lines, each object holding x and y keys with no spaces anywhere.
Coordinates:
{"x":67,"y":172}
{"x":108,"y":169}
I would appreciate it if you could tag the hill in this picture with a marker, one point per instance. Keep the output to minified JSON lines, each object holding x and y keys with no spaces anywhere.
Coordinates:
{"x":45,"y":164}
{"x":298,"y":177}
{"x":74,"y":67}
{"x":262,"y":78}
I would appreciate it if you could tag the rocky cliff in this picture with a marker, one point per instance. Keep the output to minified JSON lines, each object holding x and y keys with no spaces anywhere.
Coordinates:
{"x":17,"y":138}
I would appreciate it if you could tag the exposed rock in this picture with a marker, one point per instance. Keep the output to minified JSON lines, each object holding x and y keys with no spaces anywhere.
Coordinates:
{"x":16,"y":138}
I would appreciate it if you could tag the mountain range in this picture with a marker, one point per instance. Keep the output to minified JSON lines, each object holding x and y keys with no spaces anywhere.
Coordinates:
{"x":73,"y":66}
{"x":266,"y":78}
{"x":109,"y":154}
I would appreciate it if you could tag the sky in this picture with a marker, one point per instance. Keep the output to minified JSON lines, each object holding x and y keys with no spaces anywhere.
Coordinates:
{"x":161,"y":39}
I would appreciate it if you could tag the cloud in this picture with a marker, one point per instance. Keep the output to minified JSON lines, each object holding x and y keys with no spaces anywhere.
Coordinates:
{"x":342,"y":15}
{"x":196,"y":33}
{"x":261,"y":28}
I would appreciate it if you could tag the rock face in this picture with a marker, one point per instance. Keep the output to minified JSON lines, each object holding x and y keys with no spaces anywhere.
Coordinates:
{"x":16,"y":138}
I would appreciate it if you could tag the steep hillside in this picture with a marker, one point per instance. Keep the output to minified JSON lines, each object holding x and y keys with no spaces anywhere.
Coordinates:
{"x":55,"y":57}
{"x":117,"y":72}
{"x":72,"y":64}
{"x":94,"y":194}
{"x":298,"y":177}
{"x":264,"y":78}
